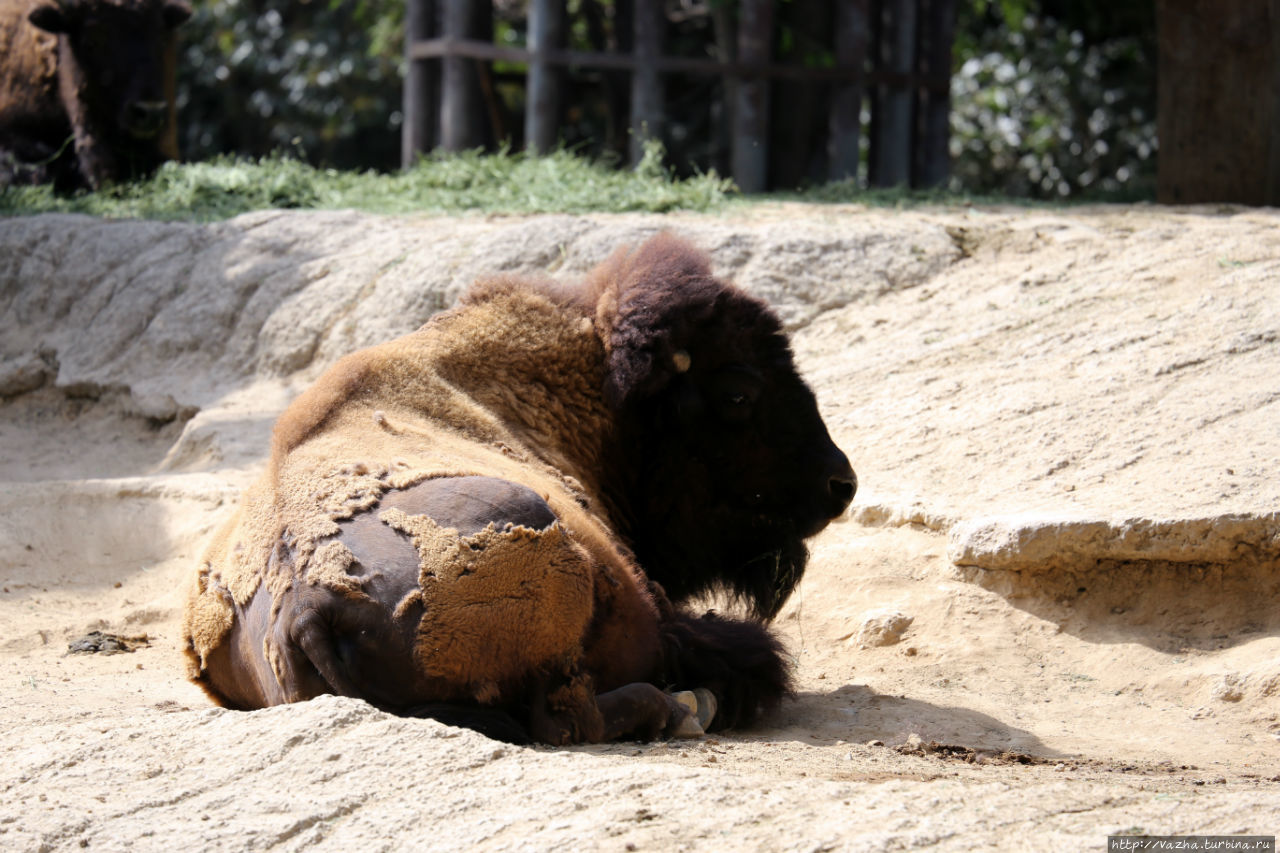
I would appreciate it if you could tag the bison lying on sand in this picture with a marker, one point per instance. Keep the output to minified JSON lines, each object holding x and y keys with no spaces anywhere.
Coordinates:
{"x":494,"y":521}
{"x":86,"y":89}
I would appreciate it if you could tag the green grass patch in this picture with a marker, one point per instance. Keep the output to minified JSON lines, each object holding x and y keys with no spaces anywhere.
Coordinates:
{"x":439,"y":183}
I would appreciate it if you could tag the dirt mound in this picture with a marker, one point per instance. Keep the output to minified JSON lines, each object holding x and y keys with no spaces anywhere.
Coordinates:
{"x":1051,"y":611}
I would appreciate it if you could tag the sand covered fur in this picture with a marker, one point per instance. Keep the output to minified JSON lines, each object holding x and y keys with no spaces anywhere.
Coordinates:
{"x":480,"y":391}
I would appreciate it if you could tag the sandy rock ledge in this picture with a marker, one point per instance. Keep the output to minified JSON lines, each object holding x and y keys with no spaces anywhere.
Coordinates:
{"x":1066,"y":426}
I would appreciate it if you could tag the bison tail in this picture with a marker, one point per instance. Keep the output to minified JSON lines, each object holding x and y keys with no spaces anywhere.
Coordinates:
{"x":490,"y":722}
{"x":740,"y":661}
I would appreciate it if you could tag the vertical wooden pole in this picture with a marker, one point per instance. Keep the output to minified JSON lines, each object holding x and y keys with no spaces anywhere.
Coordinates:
{"x":726,"y":41}
{"x":646,"y":85}
{"x":1217,"y":60}
{"x":933,"y":132}
{"x":459,"y":92}
{"x":851,"y":30}
{"x":415,"y":132}
{"x":892,"y":118}
{"x":751,"y":113}
{"x":542,"y":96}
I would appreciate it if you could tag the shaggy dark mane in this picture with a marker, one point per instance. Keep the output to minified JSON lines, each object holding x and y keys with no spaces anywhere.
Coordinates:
{"x":673,"y":327}
{"x":661,"y":298}
{"x":742,"y":663}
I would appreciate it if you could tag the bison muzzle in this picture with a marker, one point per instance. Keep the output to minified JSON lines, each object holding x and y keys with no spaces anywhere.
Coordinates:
{"x":500,"y":520}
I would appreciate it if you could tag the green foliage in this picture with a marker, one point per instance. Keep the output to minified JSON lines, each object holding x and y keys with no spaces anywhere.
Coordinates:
{"x":320,"y":78}
{"x":1052,"y":99}
{"x":1043,"y":110}
{"x":438,"y":183}
{"x":1012,"y":11}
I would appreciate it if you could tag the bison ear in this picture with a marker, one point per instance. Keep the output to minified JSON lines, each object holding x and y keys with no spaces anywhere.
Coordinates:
{"x":175,"y":13}
{"x":652,"y":298}
{"x":48,"y":17}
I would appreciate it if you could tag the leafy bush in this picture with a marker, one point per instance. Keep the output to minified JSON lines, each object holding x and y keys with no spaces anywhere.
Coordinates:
{"x":319,"y":78}
{"x":1043,"y":110}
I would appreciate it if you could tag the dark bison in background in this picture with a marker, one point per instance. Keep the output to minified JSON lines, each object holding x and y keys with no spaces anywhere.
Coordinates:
{"x":86,"y":89}
{"x":500,"y":520}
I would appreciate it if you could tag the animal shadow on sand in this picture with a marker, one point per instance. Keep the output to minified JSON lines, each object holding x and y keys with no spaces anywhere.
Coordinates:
{"x":855,"y":713}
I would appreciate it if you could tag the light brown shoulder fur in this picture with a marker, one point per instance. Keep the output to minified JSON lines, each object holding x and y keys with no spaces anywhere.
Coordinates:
{"x":313,"y":406}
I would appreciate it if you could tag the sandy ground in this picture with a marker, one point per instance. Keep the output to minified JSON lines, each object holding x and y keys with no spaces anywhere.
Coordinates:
{"x":1050,"y":616}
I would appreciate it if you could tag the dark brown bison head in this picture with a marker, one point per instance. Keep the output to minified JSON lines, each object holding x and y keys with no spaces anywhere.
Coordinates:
{"x":728,"y":465}
{"x":116,"y":66}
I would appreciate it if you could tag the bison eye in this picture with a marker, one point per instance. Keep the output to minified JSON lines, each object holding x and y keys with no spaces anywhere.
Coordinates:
{"x":734,"y":407}
{"x":734,"y":392}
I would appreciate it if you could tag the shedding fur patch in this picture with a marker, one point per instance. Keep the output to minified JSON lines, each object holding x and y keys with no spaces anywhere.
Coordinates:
{"x":330,"y":567}
{"x":209,"y":616}
{"x":438,"y":547}
{"x":502,"y":602}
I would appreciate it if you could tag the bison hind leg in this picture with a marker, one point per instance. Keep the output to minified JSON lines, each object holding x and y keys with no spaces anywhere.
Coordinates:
{"x":570,"y":713}
{"x":491,"y":722}
{"x":644,"y":712}
{"x":364,"y":645}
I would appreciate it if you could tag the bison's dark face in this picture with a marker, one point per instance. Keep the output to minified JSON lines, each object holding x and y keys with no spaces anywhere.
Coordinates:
{"x":123,"y":56}
{"x":731,"y":464}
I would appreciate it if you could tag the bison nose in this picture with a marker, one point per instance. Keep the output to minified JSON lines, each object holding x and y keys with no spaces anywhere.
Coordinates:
{"x":841,"y":485}
{"x":145,"y":118}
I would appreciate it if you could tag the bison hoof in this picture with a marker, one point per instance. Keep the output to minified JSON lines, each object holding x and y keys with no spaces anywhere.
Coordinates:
{"x":702,"y":706}
{"x":688,"y":728}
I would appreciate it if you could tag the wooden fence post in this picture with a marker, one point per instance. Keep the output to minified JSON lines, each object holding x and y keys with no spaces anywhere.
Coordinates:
{"x":542,"y":93}
{"x":459,"y":88}
{"x":646,"y":85}
{"x":933,"y":133}
{"x":846,"y":96}
{"x":415,"y":132}
{"x":1217,"y":113}
{"x":910,"y":41}
{"x":891,"y":120}
{"x":726,"y":47}
{"x":751,"y":113}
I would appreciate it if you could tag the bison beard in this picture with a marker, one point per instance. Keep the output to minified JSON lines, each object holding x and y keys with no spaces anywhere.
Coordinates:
{"x":499,"y":521}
